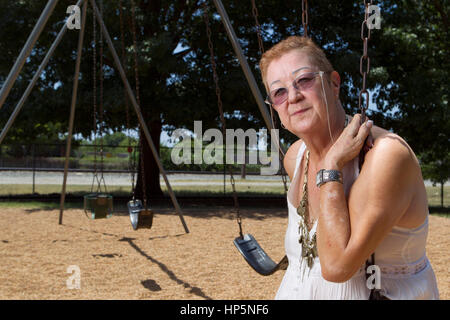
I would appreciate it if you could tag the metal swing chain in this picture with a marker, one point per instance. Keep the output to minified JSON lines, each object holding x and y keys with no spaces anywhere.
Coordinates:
{"x":305,"y":17}
{"x":102,"y":178}
{"x":261,"y":50}
{"x":130,"y":156}
{"x":94,"y":79}
{"x":364,"y":72}
{"x":258,"y":27}
{"x":222,"y":118}
{"x":364,"y":59}
{"x":136,"y":77}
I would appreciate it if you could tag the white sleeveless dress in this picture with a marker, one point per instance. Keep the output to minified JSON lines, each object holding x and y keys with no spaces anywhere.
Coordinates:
{"x":406,"y":272}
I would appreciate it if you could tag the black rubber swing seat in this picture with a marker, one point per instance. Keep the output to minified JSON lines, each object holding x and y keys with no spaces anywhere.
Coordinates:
{"x":139,"y":216}
{"x":257,"y":258}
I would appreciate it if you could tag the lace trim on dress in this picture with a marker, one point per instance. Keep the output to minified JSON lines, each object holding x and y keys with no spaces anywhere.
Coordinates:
{"x":405,"y":269}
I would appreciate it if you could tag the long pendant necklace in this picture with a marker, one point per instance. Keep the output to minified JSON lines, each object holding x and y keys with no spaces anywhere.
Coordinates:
{"x":309,"y":246}
{"x":308,"y":243}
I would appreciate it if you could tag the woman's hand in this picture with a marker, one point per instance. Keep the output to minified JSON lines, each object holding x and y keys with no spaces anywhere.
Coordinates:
{"x":349,"y":143}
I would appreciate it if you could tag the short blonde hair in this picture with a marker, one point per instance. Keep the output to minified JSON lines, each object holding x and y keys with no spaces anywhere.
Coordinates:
{"x":315,"y":54}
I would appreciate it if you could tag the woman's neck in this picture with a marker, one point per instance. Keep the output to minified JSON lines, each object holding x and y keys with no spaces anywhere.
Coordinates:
{"x":318,"y":143}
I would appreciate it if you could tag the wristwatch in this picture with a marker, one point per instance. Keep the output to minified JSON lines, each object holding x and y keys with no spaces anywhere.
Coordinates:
{"x":323,"y":176}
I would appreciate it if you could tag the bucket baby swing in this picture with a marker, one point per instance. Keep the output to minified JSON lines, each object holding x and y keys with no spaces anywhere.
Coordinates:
{"x":140,"y":215}
{"x":246,"y":244}
{"x":99,"y":203}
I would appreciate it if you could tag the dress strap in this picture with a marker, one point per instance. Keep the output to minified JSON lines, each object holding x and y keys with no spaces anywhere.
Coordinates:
{"x":300,"y":152}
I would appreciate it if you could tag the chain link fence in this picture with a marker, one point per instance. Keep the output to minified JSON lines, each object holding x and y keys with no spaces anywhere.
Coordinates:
{"x":39,"y":169}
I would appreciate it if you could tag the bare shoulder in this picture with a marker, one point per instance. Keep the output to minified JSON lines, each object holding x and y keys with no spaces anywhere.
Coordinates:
{"x":290,"y":158}
{"x":389,"y":149}
{"x":389,"y":178}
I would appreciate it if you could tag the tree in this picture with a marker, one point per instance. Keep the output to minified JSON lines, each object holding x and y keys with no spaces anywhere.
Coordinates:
{"x":175,"y":74}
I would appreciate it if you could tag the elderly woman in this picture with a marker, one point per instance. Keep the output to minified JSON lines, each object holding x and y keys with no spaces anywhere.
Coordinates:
{"x":338,"y":215}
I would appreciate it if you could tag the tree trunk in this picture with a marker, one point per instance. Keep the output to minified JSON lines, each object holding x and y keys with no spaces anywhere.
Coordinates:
{"x":442,"y":194}
{"x":243,"y":171}
{"x":151,"y":169}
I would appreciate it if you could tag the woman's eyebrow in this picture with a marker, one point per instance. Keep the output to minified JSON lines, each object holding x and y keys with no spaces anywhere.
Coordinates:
{"x":274,"y":82}
{"x":295,"y":71}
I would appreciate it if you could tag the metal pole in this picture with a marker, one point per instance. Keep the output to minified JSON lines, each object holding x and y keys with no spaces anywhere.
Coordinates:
{"x":34,"y":164}
{"x":26,"y":50}
{"x":34,"y":80}
{"x":244,"y":64}
{"x":138,"y":112}
{"x":72,"y":108}
{"x":248,"y":73}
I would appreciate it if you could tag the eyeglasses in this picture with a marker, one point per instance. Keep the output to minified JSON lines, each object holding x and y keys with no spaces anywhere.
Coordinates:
{"x":303,"y":82}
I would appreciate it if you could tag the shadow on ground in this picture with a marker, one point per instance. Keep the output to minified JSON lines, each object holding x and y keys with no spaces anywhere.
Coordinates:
{"x":258,"y":211}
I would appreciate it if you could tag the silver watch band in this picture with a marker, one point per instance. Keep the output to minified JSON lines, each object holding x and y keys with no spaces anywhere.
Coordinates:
{"x":323,"y":176}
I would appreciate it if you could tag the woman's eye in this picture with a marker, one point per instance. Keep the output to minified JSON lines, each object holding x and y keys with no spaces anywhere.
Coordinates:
{"x":279,"y":92}
{"x":304,"y":80}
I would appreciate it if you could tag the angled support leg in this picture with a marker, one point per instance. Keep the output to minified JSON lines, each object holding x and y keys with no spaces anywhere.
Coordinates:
{"x":35,"y":78}
{"x":26,"y":50}
{"x":72,"y":108}
{"x":244,"y":64}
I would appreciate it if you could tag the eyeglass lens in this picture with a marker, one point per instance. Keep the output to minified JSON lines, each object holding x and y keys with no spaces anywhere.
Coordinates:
{"x":302,"y":83}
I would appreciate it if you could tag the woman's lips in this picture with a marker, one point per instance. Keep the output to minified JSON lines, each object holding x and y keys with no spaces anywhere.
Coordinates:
{"x":300,"y":111}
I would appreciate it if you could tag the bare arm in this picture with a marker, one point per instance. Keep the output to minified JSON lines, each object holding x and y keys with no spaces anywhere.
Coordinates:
{"x":349,"y":233}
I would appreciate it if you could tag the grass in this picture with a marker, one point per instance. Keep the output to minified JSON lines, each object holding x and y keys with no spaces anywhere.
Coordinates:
{"x":243,"y":188}
{"x":184,"y":190}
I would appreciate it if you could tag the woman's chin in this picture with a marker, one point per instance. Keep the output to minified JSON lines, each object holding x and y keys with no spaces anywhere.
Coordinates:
{"x":300,"y":128}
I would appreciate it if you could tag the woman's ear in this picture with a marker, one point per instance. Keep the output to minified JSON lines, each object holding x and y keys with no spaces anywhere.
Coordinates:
{"x":335,"y":83}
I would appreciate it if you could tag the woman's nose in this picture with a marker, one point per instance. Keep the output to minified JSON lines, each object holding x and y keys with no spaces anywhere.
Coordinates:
{"x":294,"y":95}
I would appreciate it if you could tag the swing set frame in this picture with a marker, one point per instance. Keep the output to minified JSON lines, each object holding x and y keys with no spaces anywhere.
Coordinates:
{"x":24,"y":54}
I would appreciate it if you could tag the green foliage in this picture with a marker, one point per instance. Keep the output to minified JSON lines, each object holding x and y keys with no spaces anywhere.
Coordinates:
{"x":438,"y":171}
{"x":408,"y":58}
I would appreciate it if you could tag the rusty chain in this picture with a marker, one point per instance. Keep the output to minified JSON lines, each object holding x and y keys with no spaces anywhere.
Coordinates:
{"x":365,"y":37}
{"x":305,"y":17}
{"x":94,"y":80}
{"x":132,"y":155}
{"x":101,"y":124}
{"x":261,"y":50}
{"x":222,"y":118}
{"x":138,"y":100}
{"x":258,"y":27}
{"x":94,"y":98}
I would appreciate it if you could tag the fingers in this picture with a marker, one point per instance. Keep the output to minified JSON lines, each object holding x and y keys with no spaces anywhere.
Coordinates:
{"x":364,"y":132}
{"x":361,"y":132}
{"x":354,"y":125}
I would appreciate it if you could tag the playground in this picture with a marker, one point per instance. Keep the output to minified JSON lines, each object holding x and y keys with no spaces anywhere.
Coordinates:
{"x":116,"y":262}
{"x":75,"y":227}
